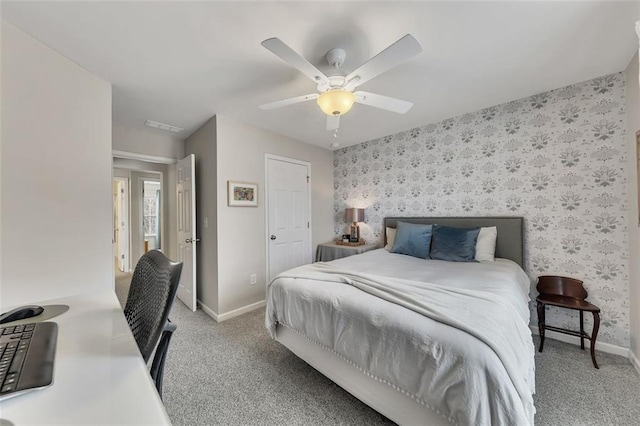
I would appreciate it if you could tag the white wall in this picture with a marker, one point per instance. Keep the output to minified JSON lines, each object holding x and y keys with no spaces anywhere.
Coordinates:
{"x":241,"y":150}
{"x":233,"y":245}
{"x":202,"y":143}
{"x":56,"y":175}
{"x":148,"y":142}
{"x":633,"y":125}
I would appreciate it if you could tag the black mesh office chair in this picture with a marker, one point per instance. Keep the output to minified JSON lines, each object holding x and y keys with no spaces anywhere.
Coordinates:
{"x":153,"y":288}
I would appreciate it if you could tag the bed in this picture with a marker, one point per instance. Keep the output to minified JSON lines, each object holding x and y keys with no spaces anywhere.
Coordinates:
{"x":420,"y":341}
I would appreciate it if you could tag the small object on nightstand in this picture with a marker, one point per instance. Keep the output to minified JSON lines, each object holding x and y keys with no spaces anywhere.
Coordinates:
{"x":354,"y":215}
{"x":569,"y":293}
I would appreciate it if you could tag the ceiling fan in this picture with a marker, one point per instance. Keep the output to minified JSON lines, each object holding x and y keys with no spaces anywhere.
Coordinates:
{"x":336,"y":94}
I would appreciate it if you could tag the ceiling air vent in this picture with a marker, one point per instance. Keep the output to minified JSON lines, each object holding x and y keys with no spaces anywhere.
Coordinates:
{"x":161,"y":126}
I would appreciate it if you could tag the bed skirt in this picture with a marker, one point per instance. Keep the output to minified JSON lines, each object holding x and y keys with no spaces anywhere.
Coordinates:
{"x":378,"y":395}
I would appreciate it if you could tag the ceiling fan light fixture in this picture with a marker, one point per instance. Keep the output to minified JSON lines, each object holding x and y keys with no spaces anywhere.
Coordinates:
{"x":336,"y":101}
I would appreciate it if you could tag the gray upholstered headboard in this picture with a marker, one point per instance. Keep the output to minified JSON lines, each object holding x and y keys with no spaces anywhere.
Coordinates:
{"x":510,"y":242}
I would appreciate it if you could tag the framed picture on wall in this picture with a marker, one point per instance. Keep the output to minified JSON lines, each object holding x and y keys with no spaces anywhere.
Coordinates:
{"x":242,"y":194}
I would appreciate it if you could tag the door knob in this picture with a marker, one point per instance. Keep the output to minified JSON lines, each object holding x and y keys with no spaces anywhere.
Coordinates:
{"x":273,"y":237}
{"x":192,"y":240}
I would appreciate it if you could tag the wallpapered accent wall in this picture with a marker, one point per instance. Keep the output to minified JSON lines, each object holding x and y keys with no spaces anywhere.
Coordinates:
{"x":557,"y":158}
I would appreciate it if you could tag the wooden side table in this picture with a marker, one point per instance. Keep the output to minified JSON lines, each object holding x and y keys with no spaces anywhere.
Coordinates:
{"x":568,"y":293}
{"x":332,"y":251}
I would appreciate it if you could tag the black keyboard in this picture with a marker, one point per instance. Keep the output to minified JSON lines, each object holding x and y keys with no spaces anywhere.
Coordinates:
{"x":27,"y":353}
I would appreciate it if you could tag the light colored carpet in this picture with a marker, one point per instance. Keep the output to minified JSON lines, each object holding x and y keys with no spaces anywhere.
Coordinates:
{"x":232,"y":373}
{"x":237,"y":375}
{"x":569,"y":391}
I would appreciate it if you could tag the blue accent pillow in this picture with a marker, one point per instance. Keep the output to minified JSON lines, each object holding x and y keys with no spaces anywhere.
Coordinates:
{"x":454,"y":244}
{"x":412,"y":239}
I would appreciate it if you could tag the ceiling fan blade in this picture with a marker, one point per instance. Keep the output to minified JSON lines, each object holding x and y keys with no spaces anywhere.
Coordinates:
{"x":399,"y":51}
{"x":333,"y":122}
{"x":289,"y":101}
{"x":290,"y":56}
{"x":384,"y":102}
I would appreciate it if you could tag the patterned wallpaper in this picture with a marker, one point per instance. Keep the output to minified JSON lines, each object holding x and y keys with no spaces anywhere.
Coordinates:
{"x":557,"y":158}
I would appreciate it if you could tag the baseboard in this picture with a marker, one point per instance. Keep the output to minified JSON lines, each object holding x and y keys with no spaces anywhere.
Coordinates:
{"x":634,"y":360}
{"x":240,"y":311}
{"x":207,"y":310}
{"x":600,"y":346}
{"x":231,"y":314}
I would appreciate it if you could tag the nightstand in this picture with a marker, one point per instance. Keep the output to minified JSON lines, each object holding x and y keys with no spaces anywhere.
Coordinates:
{"x":332,"y":251}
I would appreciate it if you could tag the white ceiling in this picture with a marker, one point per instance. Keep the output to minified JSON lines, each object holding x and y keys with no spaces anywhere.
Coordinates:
{"x":182,"y":62}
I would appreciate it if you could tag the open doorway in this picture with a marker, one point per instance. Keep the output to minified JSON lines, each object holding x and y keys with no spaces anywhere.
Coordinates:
{"x":151,"y":210}
{"x":146,"y":229}
{"x":146,"y":207}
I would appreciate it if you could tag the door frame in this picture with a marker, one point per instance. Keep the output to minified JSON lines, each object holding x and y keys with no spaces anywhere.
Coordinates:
{"x":307,"y":164}
{"x":142,"y":157}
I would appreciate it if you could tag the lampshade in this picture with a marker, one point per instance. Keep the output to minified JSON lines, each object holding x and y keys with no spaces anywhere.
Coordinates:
{"x":336,"y":101}
{"x":354,"y":215}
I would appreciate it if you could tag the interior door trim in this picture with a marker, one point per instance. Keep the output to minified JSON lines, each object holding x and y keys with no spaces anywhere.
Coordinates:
{"x":142,"y":157}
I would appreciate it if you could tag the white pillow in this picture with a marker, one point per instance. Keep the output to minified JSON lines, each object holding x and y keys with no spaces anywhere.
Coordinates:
{"x":391,"y":237}
{"x":486,"y":244}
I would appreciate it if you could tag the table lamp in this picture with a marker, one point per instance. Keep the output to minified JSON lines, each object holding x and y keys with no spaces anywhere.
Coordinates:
{"x":354,"y":216}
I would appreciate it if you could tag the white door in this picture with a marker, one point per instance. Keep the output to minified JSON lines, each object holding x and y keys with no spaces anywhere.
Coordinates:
{"x":121,"y":222}
{"x":186,"y":203}
{"x":289,"y":227}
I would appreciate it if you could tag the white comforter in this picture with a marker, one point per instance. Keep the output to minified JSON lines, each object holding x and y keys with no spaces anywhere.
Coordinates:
{"x":455,"y":335}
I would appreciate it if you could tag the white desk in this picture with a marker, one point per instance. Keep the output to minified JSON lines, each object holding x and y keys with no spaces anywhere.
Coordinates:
{"x":99,"y":375}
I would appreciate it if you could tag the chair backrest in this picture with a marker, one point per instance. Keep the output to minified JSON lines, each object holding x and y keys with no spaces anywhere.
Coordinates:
{"x":561,"y":286}
{"x":153,"y":288}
